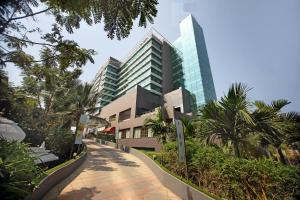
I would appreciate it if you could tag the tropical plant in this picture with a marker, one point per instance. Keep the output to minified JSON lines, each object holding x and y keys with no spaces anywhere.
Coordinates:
{"x":230,"y":177}
{"x":159,"y":127}
{"x":18,"y":172}
{"x":189,"y":128}
{"x":229,"y":119}
{"x":273,"y":125}
{"x":84,"y":103}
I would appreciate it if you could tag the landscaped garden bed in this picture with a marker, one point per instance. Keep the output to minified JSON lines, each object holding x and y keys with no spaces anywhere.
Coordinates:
{"x":224,"y":176}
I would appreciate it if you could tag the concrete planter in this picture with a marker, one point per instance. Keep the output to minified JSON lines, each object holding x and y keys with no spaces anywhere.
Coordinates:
{"x":54,"y":178}
{"x":177,"y":186}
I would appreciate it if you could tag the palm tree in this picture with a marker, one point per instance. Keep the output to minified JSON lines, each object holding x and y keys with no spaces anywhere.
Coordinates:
{"x":229,"y":119}
{"x":189,"y":128}
{"x":275,"y":127}
{"x":85,"y":101}
{"x":159,"y":126}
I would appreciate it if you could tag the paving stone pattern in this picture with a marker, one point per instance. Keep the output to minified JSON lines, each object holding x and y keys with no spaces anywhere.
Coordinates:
{"x":110,"y":174}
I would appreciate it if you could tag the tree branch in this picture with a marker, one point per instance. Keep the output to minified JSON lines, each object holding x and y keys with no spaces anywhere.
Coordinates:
{"x":28,"y":41}
{"x":35,"y":61}
{"x":30,"y":15}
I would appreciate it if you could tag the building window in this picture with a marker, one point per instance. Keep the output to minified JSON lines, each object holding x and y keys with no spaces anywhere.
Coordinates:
{"x":157,"y":80}
{"x":156,"y":88}
{"x":112,"y":118}
{"x":125,"y":133}
{"x":137,"y":132}
{"x":156,"y":57}
{"x":156,"y":72}
{"x":144,"y":132}
{"x":156,"y":44}
{"x":125,"y":115}
{"x":150,"y":132}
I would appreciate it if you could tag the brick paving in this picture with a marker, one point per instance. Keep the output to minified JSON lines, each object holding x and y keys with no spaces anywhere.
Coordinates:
{"x":110,"y":174}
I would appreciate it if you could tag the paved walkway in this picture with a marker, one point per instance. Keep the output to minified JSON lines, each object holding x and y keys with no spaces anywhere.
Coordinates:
{"x":110,"y":174}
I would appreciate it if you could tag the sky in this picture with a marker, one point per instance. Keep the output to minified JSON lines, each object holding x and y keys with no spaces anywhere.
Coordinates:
{"x":256,"y":42}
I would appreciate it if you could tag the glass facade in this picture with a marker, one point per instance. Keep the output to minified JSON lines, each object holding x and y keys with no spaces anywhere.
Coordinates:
{"x":105,"y":82}
{"x":183,"y":64}
{"x":197,"y":77}
{"x":142,"y":68}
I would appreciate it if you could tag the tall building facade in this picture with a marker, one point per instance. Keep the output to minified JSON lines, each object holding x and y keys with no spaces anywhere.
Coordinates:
{"x":143,"y":67}
{"x":105,"y":82}
{"x":151,"y":65}
{"x":156,"y":75}
{"x":197,"y":76}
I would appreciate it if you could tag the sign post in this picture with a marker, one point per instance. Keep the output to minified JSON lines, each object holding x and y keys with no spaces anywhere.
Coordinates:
{"x":181,"y":144}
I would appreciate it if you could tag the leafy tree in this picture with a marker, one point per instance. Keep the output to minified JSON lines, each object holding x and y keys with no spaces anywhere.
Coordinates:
{"x":118,"y":17}
{"x":59,"y":140}
{"x":4,"y":89}
{"x":229,"y":119}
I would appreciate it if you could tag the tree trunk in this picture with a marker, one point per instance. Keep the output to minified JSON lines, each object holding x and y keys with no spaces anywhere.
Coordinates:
{"x":74,"y":139}
{"x":282,"y":157}
{"x":266,"y":151}
{"x":236,"y":149}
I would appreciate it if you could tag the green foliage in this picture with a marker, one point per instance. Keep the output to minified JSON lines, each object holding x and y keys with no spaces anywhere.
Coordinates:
{"x":84,"y":102}
{"x":18,"y":172}
{"x":275,"y":127}
{"x":4,"y":90}
{"x":189,"y":129}
{"x":231,"y":177}
{"x":160,"y":128}
{"x":232,"y":123}
{"x":59,"y":141}
{"x":229,"y":118}
{"x":118,"y":17}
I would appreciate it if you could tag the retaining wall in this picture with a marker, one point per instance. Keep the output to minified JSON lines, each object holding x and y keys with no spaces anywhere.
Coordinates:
{"x":54,"y":178}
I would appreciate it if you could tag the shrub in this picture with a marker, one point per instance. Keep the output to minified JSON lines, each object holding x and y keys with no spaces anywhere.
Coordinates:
{"x":59,"y":141}
{"x":231,"y":177}
{"x":18,"y":172}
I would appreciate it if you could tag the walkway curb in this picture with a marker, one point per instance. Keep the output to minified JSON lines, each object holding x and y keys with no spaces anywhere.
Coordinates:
{"x":177,"y":186}
{"x":54,"y":178}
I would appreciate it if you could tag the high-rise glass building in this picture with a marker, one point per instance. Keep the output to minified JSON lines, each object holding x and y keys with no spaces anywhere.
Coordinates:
{"x":156,"y":75}
{"x":196,"y":72}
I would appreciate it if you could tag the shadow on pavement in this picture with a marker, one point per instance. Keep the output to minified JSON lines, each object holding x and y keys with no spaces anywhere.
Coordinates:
{"x":97,"y":160}
{"x":84,"y":193}
{"x":100,"y":156}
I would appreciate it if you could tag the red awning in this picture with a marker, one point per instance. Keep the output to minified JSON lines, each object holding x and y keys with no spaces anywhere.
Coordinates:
{"x":110,"y":130}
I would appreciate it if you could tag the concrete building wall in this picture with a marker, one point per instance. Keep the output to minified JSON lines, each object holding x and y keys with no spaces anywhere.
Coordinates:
{"x":136,"y":97}
{"x":167,"y":83}
{"x":139,"y":99}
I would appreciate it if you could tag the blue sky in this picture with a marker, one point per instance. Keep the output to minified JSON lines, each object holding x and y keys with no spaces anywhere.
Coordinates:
{"x":256,"y":42}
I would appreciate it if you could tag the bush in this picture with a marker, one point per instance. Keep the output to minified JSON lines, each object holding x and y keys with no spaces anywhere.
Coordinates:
{"x":18,"y":172}
{"x":59,"y":141}
{"x":231,"y":177}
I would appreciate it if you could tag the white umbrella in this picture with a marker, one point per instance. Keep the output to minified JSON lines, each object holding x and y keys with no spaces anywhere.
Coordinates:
{"x":10,"y":130}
